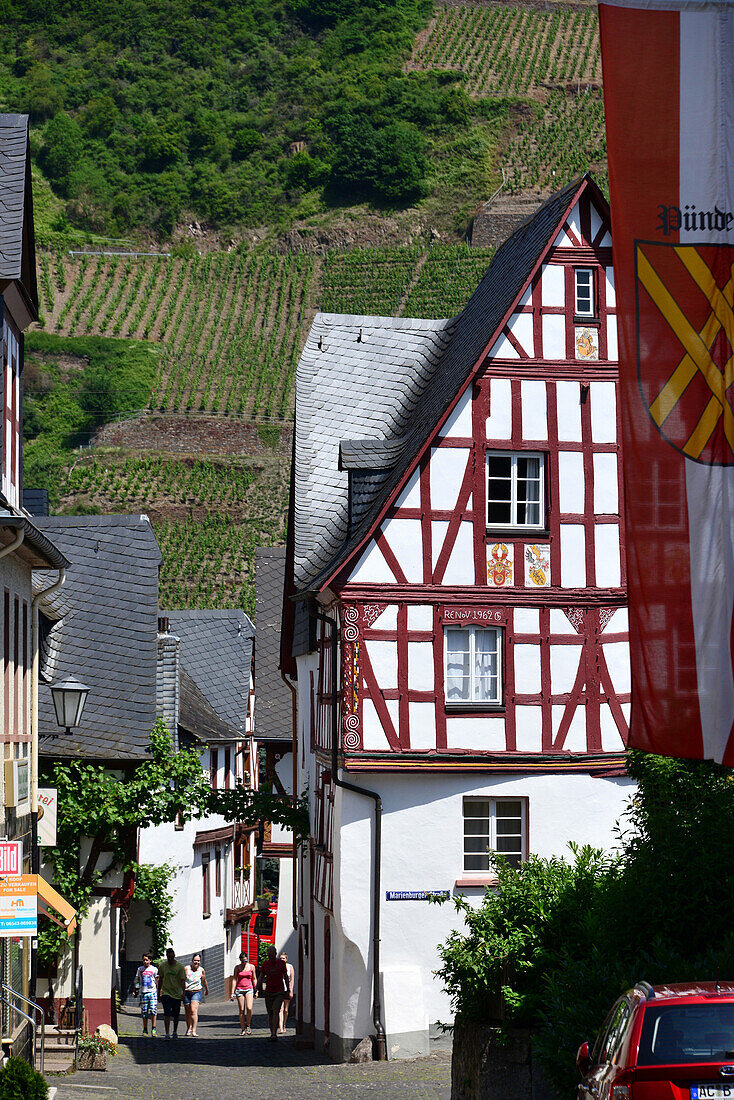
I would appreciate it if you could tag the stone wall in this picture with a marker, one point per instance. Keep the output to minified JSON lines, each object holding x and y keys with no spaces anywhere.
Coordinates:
{"x":199,"y":435}
{"x":485,"y":1068}
{"x":494,"y":224}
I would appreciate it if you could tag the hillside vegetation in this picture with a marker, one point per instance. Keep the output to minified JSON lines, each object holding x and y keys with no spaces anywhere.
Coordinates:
{"x":229,"y":327}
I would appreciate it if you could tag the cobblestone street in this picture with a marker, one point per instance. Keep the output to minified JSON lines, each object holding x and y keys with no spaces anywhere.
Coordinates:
{"x":220,"y":1064}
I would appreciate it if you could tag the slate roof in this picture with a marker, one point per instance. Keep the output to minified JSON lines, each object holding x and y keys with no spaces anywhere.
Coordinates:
{"x":105,"y":633}
{"x":37,"y":550}
{"x":380,"y":378}
{"x":273,"y":700}
{"x":216,"y":652}
{"x":197,"y":717}
{"x":16,"y":204}
{"x":358,"y":377}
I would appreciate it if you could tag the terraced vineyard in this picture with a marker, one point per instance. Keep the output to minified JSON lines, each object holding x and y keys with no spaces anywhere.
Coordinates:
{"x":231,"y":324}
{"x":208,"y":516}
{"x":548,"y":58}
{"x":511,"y":50}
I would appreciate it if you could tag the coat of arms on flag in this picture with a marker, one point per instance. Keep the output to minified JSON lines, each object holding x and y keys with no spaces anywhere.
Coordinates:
{"x":685,"y":350}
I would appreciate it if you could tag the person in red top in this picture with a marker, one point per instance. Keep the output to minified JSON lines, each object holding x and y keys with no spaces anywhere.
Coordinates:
{"x":274,"y":978}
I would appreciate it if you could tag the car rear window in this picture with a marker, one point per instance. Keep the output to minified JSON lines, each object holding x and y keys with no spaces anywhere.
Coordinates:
{"x":677,"y":1034}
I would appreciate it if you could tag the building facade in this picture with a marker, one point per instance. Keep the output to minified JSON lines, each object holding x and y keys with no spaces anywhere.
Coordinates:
{"x":458,"y":629}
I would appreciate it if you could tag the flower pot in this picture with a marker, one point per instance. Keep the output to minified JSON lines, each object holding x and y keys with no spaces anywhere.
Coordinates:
{"x":90,"y":1059}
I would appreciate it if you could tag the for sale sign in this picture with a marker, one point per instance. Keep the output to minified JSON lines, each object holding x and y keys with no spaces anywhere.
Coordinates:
{"x":19,"y":906}
{"x":11,"y":857}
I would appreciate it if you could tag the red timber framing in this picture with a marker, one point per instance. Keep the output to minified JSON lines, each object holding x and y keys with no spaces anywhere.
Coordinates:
{"x":589,"y":609}
{"x":322,"y":857}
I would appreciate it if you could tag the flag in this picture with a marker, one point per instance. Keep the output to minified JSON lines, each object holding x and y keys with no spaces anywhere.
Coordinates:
{"x":669,"y":97}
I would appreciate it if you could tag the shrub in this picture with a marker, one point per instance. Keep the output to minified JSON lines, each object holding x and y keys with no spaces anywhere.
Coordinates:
{"x":63,"y":146}
{"x":19,"y":1081}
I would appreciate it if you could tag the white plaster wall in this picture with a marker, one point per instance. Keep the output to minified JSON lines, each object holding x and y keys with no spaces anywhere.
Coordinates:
{"x":573,"y":559}
{"x":574,"y":221}
{"x":534,"y":410}
{"x":521,"y":326}
{"x":562,"y":808}
{"x":384,"y":660}
{"x":595,"y":220}
{"x":554,"y":336}
{"x":372,"y":567}
{"x":527,"y":668}
{"x":611,"y":289}
{"x":420,"y":666}
{"x":607,"y":555}
{"x":420,"y":616}
{"x":503,"y":349}
{"x":284,"y":771}
{"x":460,"y":568}
{"x":553,"y":285}
{"x":603,"y":412}
{"x":459,"y":423}
{"x":612,"y":339}
{"x":499,"y":421}
{"x":482,"y":733}
{"x":529,"y":729}
{"x":403,"y":536}
{"x":571,"y":481}
{"x":526,"y":620}
{"x":564,"y":662}
{"x":606,"y":491}
{"x":448,"y":466}
{"x":410,"y":497}
{"x":568,"y":407}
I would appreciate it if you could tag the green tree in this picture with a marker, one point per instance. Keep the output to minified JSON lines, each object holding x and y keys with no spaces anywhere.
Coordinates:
{"x":400,"y":163}
{"x":62,"y":151}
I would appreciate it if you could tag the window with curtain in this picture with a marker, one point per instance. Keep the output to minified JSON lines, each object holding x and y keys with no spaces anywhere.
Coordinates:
{"x":515,"y":489}
{"x":473,"y":664}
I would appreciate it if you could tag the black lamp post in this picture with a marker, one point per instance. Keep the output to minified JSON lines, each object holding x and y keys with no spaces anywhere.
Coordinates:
{"x":69,"y":698}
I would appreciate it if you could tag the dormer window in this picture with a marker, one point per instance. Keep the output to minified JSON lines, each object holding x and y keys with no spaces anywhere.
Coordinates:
{"x":585,"y":305}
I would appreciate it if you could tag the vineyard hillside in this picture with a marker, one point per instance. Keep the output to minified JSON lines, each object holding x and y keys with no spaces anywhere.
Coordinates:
{"x":231,"y":325}
{"x":546,"y":66}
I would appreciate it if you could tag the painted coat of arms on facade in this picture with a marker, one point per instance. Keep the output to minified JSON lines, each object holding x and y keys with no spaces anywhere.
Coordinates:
{"x":587,"y":343}
{"x":537,"y":566}
{"x":500,"y":564}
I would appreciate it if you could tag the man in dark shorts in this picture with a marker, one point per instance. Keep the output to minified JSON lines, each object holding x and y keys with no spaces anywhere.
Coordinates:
{"x":274,"y":976}
{"x":171,"y":986}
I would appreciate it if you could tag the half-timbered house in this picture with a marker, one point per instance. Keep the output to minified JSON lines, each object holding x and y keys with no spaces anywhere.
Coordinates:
{"x":457,"y":628}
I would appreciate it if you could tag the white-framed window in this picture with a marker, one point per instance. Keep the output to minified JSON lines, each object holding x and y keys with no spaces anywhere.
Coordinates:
{"x":584,"y":292}
{"x":515,"y":489}
{"x":473,"y":665}
{"x":494,"y":825}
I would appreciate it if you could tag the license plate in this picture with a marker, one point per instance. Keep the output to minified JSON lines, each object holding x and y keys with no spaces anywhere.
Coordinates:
{"x":711,"y":1092}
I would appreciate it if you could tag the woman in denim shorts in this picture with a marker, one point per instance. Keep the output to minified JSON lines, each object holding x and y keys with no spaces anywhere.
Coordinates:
{"x":195,"y":987}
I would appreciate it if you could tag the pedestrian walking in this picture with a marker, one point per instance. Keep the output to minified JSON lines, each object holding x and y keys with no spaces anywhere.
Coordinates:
{"x":288,"y":999}
{"x":274,"y":977}
{"x":245,"y":990}
{"x":146,"y":985}
{"x":171,"y":986}
{"x":194,"y":988}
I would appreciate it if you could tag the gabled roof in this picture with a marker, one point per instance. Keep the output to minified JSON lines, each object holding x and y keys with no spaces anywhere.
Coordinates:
{"x":273,"y":700}
{"x":104,"y":632}
{"x":197,"y":717}
{"x":216,"y":652}
{"x":17,"y":243}
{"x":341,"y":386}
{"x":358,"y":377}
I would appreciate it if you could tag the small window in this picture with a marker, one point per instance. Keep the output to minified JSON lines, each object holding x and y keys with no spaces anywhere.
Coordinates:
{"x":227,"y":769}
{"x":584,"y":279}
{"x":214,"y":767}
{"x":473,"y":663}
{"x":515,"y":489}
{"x":206,"y":892}
{"x":493,"y":825}
{"x":218,"y":872}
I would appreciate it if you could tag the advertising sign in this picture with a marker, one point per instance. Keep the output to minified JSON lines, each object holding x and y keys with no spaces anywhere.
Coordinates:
{"x":18,"y":906}
{"x":11,"y":857}
{"x":48,"y":801}
{"x":669,"y":96}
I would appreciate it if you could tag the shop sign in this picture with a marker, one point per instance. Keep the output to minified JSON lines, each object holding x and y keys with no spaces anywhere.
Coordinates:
{"x":19,"y":906}
{"x":11,"y":857}
{"x":48,"y":802}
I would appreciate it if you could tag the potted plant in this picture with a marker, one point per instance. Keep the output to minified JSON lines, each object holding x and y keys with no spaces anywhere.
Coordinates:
{"x":93,"y":1051}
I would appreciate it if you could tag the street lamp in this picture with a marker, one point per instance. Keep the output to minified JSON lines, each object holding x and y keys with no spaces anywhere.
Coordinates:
{"x":69,"y":698}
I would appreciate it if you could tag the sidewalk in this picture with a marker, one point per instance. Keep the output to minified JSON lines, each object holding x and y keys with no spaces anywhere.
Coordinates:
{"x":223,"y":1065}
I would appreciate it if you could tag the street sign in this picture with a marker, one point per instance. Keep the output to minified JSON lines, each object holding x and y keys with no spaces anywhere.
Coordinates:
{"x":48,"y":801}
{"x":416,"y":895}
{"x":11,"y":857}
{"x":19,"y":906}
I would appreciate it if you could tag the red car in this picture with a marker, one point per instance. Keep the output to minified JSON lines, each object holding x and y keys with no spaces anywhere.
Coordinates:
{"x":673,"y":1041}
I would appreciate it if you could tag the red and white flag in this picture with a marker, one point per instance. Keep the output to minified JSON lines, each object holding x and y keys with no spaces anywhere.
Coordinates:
{"x":669,"y":97}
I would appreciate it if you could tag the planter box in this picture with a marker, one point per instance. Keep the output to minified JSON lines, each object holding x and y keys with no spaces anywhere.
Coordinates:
{"x":88,"y":1059}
